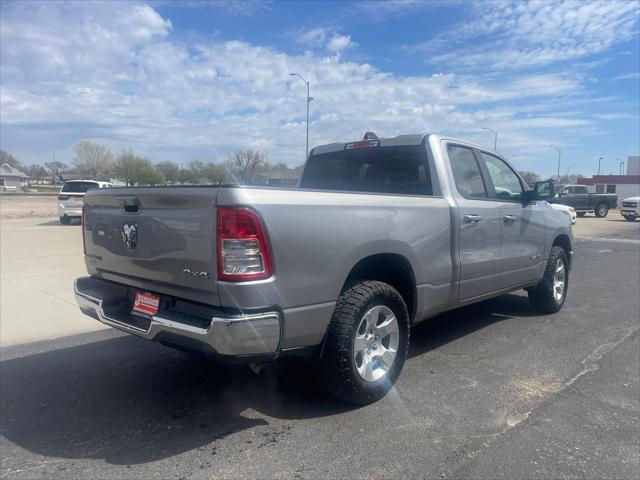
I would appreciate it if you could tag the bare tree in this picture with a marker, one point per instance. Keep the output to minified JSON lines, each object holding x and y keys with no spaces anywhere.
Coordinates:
{"x":246,"y":164}
{"x":6,"y":157}
{"x":93,"y":160}
{"x":529,"y":177}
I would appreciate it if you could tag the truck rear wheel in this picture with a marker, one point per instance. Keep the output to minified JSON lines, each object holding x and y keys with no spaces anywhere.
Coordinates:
{"x":366,"y":344}
{"x":601,"y":210}
{"x":551,"y":292}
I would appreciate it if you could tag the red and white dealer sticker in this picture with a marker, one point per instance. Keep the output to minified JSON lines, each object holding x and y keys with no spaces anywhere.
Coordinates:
{"x":146,"y":303}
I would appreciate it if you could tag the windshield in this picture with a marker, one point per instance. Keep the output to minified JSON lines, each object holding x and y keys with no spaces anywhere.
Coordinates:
{"x":78,"y":187}
{"x":401,"y":170}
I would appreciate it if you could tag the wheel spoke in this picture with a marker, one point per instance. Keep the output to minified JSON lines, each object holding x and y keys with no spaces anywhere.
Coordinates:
{"x":372,"y":358}
{"x":387,"y":357}
{"x":387,"y":327}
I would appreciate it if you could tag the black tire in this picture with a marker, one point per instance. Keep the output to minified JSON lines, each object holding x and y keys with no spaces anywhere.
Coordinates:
{"x":541,"y":297}
{"x":581,"y":214}
{"x":630,"y":219}
{"x":336,"y":369}
{"x":601,"y":210}
{"x":65,"y":220}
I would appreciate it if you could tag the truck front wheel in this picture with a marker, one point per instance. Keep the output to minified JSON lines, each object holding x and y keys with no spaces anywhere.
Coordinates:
{"x":601,"y":210}
{"x":551,"y":292}
{"x":366,"y":344}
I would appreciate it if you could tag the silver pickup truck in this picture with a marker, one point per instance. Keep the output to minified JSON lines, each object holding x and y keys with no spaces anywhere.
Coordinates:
{"x":379,"y":235}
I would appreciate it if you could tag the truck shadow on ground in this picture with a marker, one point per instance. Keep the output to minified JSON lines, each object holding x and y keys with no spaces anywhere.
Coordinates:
{"x":129,"y":401}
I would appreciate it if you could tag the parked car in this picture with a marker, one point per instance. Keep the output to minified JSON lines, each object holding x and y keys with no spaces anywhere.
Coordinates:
{"x":630,"y":208}
{"x":578,"y":197}
{"x":380,"y":235}
{"x":570,"y":211}
{"x":71,"y":198}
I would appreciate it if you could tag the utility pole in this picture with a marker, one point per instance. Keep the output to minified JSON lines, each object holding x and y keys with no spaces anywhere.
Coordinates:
{"x":309,"y":98}
{"x":559,"y":154}
{"x":599,"y":160}
{"x":495,"y":138}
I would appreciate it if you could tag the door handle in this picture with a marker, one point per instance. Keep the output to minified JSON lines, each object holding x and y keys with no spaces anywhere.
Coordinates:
{"x":510,"y":218}
{"x":472,"y":218}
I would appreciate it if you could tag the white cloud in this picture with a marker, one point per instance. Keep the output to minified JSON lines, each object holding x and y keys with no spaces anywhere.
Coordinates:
{"x":116,"y":75}
{"x":507,"y":36}
{"x":339,"y":43}
{"x":324,"y":39}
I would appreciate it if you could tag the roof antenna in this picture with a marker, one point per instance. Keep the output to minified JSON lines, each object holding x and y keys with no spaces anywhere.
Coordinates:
{"x":370,"y":136}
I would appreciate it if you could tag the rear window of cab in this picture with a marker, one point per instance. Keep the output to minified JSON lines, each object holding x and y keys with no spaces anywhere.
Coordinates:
{"x":79,"y":187}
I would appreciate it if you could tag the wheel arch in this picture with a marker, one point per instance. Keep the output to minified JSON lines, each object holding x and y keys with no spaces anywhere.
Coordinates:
{"x":391,"y":268}
{"x":564,"y":241}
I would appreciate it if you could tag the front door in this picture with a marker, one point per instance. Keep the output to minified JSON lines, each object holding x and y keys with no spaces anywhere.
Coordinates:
{"x":523,"y":229}
{"x":479,"y":224}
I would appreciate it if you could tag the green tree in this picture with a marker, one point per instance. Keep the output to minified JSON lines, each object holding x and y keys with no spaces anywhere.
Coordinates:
{"x":93,"y":160}
{"x":217,"y":173}
{"x":170,"y":170}
{"x":134,"y":170}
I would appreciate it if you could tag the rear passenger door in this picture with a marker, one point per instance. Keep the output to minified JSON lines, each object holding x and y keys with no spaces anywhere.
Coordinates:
{"x":522,"y":226}
{"x":479,"y":224}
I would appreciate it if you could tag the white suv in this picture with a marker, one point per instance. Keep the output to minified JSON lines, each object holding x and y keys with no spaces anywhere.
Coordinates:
{"x":630,"y":208}
{"x":71,"y":198}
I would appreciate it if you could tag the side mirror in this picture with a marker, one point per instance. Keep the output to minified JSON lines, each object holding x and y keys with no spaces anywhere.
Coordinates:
{"x":541,"y":191}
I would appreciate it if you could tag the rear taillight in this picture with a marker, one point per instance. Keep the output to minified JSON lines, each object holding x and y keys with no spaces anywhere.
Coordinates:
{"x":63,"y":197}
{"x":243,"y":249}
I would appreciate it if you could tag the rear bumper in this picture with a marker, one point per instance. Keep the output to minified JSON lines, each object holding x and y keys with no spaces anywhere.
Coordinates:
{"x":238,"y":335}
{"x":65,"y":211}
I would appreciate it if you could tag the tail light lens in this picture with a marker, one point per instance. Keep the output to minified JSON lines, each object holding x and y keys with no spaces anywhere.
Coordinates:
{"x":63,"y":197}
{"x":243,"y":249}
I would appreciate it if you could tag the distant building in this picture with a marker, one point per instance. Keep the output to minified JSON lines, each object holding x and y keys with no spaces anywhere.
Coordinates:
{"x":278,"y":178}
{"x":11,"y":179}
{"x":622,"y":185}
{"x":633,"y":165}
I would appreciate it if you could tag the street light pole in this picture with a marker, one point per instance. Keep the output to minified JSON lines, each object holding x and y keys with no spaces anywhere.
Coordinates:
{"x":568,"y":168}
{"x":309,"y":98}
{"x":599,"y":160}
{"x":495,"y":138}
{"x":559,"y":154}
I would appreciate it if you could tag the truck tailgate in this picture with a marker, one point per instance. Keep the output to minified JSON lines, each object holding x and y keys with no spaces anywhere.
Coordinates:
{"x":158,"y":239}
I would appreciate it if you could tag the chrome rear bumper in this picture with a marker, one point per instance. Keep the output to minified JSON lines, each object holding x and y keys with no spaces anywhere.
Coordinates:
{"x":231,"y":335}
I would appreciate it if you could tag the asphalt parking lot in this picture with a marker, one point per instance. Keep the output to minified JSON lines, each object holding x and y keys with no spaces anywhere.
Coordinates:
{"x":488,"y":391}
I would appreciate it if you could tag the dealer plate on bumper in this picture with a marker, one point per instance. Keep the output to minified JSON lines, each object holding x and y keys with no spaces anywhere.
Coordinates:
{"x":146,"y":304}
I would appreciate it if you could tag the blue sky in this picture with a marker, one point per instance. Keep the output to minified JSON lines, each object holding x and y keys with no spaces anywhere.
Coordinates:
{"x":201,"y":79}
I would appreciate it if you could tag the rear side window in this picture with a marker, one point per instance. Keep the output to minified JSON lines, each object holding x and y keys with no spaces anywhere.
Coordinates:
{"x":78,"y":187}
{"x":466,"y":171}
{"x":400,"y":170}
{"x":581,"y":190}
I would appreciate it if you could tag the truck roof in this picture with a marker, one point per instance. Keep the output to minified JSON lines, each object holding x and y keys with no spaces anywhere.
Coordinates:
{"x":399,"y":140}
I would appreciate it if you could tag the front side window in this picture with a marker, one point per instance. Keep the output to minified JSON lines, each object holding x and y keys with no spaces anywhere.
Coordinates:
{"x":505,"y":181}
{"x":466,"y":171}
